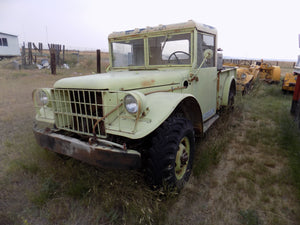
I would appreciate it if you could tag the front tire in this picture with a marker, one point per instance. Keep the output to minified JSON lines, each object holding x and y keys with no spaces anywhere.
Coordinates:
{"x":171,"y":154}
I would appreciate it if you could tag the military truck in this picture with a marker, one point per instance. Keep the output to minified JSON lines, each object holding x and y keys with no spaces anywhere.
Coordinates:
{"x":163,"y":88}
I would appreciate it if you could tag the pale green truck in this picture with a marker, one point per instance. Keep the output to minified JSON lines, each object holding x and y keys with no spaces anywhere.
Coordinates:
{"x":165,"y":86}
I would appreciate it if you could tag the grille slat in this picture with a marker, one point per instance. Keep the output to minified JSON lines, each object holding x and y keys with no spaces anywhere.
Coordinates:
{"x":78,"y":110}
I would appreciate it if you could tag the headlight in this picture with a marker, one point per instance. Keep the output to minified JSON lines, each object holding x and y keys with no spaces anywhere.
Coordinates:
{"x":135,"y":103}
{"x":41,"y":97}
{"x":243,"y":76}
{"x":131,"y":104}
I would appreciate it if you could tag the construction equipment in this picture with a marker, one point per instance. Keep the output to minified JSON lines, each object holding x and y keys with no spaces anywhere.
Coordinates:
{"x":269,"y":73}
{"x":246,"y":74}
{"x":295,"y":109}
{"x":289,"y":82}
{"x":244,"y":80}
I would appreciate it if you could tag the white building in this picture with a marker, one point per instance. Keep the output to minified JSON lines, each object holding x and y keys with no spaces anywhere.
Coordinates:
{"x":9,"y":45}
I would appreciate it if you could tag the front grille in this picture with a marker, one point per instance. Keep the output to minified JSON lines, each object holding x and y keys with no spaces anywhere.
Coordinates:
{"x":78,"y":110}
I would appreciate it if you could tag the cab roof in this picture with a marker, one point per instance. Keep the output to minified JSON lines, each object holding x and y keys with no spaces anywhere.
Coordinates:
{"x":189,"y":24}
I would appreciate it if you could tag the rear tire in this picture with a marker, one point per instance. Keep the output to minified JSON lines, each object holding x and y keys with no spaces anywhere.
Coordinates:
{"x":230,"y":105}
{"x":171,"y":154}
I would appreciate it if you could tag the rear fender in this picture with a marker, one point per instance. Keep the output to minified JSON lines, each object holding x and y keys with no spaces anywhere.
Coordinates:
{"x":229,"y":84}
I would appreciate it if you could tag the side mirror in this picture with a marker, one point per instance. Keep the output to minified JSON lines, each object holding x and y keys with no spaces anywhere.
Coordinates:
{"x":208,"y":54}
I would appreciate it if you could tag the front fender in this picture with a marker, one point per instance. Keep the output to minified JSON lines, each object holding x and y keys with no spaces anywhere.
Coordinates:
{"x":159,"y":107}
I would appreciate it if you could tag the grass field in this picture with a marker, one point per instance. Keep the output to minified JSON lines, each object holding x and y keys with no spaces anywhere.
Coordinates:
{"x":246,"y":169}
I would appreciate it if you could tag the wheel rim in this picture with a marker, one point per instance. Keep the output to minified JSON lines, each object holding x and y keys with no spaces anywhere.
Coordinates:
{"x":182,"y":158}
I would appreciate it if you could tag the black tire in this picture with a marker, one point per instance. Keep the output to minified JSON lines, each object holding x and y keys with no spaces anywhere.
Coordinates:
{"x":171,"y":155}
{"x":230,"y":106}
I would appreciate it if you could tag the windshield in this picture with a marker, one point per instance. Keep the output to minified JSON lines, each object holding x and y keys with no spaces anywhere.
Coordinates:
{"x":170,"y":49}
{"x":128,"y":53}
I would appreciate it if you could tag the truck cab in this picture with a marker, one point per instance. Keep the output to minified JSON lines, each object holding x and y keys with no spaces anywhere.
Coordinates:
{"x":162,"y":89}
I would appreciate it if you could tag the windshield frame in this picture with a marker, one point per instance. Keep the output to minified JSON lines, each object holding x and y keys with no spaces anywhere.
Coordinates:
{"x":146,"y":37}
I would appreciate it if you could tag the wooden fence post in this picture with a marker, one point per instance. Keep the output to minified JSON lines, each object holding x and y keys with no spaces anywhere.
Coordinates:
{"x":63,"y":60}
{"x":30,"y":53}
{"x":53,"y":62}
{"x":98,"y":61}
{"x":23,"y":55}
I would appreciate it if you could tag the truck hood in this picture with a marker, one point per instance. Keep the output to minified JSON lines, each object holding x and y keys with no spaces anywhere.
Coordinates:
{"x":125,"y":80}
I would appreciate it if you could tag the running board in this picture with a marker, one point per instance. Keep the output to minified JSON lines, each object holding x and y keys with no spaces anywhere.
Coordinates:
{"x":209,"y":122}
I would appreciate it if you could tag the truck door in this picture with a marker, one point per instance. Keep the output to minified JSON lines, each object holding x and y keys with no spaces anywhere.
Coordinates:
{"x":206,"y":87}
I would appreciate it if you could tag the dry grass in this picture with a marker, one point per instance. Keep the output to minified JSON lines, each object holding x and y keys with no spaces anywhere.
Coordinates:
{"x":241,"y":173}
{"x":252,"y":182}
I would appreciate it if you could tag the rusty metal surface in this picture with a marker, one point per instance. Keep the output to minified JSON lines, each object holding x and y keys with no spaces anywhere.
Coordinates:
{"x":98,"y":155}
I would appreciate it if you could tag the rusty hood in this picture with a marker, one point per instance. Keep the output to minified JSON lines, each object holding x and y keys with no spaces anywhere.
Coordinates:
{"x":125,"y":80}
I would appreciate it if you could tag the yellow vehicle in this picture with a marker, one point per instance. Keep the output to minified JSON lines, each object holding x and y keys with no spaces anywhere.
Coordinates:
{"x":245,"y":76}
{"x":254,"y":70}
{"x":269,"y":73}
{"x":244,"y":80}
{"x":289,"y":82}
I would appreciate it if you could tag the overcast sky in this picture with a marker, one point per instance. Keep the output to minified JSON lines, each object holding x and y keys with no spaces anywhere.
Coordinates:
{"x":251,"y":29}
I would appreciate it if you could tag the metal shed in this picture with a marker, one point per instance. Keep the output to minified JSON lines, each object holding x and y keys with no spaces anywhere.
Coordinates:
{"x":9,"y":45}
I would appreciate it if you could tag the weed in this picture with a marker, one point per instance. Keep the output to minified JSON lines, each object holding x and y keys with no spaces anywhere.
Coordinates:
{"x":7,"y":218}
{"x":30,"y":167}
{"x":8,"y":144}
{"x":207,"y":157}
{"x":249,"y":217}
{"x":290,"y":142}
{"x":47,"y":191}
{"x":71,"y":59}
{"x":77,"y":189}
{"x":211,"y":149}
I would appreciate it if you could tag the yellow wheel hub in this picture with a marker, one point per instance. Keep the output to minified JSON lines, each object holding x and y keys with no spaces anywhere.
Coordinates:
{"x":182,"y":158}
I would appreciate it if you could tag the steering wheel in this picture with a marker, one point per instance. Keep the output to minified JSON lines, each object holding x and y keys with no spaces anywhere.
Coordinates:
{"x":174,"y":53}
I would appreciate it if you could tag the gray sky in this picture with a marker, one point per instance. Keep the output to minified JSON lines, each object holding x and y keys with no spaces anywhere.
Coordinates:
{"x":252,"y":29}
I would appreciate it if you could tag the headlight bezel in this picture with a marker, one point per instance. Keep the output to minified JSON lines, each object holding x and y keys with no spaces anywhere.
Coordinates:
{"x":243,"y":76}
{"x":131,"y":104}
{"x":134,"y":103}
{"x":42,"y":97}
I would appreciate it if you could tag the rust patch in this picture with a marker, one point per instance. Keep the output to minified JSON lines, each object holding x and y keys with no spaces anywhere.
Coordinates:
{"x":148,"y":83}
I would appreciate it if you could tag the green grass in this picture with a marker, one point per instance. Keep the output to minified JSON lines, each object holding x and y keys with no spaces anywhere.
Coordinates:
{"x":290,"y":143}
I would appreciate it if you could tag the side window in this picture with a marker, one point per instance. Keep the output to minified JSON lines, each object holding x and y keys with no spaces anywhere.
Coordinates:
{"x":205,"y":41}
{"x":0,"y":41}
{"x":4,"y":41}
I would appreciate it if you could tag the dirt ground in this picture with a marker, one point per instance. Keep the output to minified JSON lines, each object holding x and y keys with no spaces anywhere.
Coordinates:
{"x":244,"y":186}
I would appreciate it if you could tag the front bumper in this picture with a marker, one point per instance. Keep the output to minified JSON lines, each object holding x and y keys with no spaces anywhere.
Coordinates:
{"x":101,"y":155}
